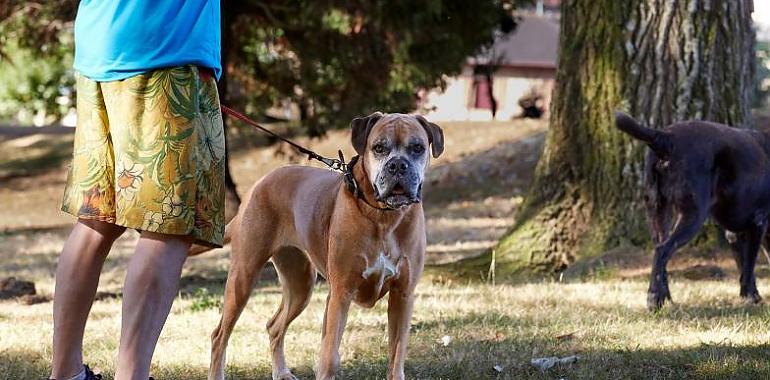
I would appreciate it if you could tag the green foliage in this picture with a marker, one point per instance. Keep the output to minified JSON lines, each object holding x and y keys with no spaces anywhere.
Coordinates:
{"x":340,"y":59}
{"x":333,"y":59}
{"x":202,"y":300}
{"x":36,"y":47}
{"x":30,"y":84}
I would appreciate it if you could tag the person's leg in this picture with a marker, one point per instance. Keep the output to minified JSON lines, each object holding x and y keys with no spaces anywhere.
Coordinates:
{"x":77,"y":276}
{"x":151,"y":284}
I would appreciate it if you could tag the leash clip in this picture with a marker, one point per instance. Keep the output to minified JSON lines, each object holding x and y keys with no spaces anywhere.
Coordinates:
{"x":341,"y":165}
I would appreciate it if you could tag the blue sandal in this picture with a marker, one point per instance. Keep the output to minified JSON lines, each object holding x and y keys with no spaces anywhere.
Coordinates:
{"x":90,"y":375}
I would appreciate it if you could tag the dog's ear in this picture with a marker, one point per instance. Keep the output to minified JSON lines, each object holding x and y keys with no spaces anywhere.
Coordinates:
{"x":435,"y":135}
{"x":360,"y":127}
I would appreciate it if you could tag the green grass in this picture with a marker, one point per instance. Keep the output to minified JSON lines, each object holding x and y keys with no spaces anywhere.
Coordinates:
{"x":707,"y":334}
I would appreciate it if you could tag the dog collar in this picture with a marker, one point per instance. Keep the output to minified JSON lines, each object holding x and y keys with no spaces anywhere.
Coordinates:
{"x":352,"y":185}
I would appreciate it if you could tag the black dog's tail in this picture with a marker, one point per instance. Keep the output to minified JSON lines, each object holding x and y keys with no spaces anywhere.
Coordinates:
{"x":657,"y":140}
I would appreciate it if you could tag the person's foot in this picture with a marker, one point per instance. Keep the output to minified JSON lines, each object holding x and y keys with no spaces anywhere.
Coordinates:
{"x":89,"y":375}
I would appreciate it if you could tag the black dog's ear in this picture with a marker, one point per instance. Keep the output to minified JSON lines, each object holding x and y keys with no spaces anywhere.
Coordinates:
{"x":361,"y":126}
{"x":435,"y":135}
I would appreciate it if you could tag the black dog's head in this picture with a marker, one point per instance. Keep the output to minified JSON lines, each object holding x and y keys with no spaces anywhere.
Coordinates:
{"x":394,"y":151}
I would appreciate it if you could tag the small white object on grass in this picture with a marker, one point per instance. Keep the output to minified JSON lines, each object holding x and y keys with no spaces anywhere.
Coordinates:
{"x":547,"y":363}
{"x":446,"y":339}
{"x":498,"y":368}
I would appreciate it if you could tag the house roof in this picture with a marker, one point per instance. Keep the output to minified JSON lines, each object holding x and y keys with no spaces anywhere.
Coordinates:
{"x":534,"y":43}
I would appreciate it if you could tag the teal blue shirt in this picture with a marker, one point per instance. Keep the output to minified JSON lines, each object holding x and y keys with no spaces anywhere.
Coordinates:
{"x":117,"y":39}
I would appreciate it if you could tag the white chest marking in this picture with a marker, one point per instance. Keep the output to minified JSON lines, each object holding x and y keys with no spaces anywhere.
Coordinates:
{"x":382,"y":266}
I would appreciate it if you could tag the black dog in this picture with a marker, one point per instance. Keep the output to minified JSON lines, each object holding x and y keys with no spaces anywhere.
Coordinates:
{"x":700,"y":169}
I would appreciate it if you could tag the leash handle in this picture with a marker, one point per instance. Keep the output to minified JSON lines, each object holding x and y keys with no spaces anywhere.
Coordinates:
{"x":333,"y":163}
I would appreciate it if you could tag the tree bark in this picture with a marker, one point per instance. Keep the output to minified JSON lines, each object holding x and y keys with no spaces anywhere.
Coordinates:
{"x":661,"y":61}
{"x":232,"y":199}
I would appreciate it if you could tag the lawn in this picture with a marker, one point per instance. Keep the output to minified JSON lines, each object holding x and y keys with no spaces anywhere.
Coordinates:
{"x":708,"y":334}
{"x":463,"y":328}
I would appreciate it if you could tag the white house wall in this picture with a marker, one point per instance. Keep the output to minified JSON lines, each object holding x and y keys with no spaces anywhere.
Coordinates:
{"x":454,"y":104}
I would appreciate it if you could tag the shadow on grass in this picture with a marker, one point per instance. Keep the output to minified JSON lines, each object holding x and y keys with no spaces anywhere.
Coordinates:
{"x":504,"y":170}
{"x":214,"y":282}
{"x":482,"y":342}
{"x":476,"y":359}
{"x":46,"y":154}
{"x":23,"y":364}
{"x":499,"y":175}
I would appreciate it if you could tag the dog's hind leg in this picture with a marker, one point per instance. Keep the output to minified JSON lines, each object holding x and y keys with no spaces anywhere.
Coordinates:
{"x":297,"y":277}
{"x":749,"y":244}
{"x":655,"y":197}
{"x":692,"y":214}
{"x":247,"y":259}
{"x":737,"y":242}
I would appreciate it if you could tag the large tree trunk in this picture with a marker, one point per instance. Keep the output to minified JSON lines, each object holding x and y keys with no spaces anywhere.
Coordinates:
{"x":659,"y":60}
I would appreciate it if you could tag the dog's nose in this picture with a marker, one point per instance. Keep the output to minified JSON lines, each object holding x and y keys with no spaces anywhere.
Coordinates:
{"x":397,"y":166}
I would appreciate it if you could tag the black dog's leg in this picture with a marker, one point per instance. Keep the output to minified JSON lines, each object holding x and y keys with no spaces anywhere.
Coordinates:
{"x":737,"y":242}
{"x":656,"y":199}
{"x":660,"y":217}
{"x":750,"y":250}
{"x":686,"y":228}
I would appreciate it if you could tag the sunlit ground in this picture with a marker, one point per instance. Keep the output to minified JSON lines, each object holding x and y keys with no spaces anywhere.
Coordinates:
{"x":708,"y":333}
{"x":472,"y":194}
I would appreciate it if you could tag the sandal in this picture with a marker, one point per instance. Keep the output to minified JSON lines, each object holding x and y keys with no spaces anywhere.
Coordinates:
{"x":90,"y":375}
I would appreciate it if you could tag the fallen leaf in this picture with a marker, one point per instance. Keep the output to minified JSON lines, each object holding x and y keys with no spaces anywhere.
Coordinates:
{"x":567,"y":336}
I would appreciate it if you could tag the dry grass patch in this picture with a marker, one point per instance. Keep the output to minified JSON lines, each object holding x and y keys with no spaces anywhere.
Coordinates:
{"x":708,"y":333}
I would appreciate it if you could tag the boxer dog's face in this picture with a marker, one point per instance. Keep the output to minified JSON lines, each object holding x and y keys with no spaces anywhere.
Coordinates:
{"x":394,"y":149}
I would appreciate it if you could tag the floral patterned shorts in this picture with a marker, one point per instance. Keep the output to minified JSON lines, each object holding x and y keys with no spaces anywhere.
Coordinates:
{"x":149,"y":154}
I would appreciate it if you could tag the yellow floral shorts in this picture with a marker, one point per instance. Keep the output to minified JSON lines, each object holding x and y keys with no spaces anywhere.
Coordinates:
{"x":149,"y":154}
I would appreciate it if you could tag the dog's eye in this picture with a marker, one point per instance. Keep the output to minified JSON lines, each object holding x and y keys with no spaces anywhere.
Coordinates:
{"x":380,"y":149}
{"x":418,"y":149}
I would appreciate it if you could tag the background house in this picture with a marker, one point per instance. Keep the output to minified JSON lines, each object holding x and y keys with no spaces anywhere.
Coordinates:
{"x":521,"y":64}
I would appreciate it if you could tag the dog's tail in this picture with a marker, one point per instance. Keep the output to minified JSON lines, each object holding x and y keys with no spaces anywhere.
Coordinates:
{"x":656,"y":139}
{"x":197,"y":249}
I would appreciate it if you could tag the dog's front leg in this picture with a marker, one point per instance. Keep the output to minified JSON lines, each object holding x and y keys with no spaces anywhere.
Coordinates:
{"x":400,"y":304}
{"x":335,"y":317}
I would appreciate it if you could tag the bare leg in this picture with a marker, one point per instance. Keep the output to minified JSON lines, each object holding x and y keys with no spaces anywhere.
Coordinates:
{"x":77,"y":276}
{"x":152,"y":281}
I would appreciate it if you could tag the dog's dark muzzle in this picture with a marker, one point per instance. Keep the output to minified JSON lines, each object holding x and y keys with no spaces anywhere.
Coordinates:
{"x":398,"y":184}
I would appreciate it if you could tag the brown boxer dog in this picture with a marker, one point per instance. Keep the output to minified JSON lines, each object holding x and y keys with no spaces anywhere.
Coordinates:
{"x":363,"y":232}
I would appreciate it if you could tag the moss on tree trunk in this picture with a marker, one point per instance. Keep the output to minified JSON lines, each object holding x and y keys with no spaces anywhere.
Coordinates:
{"x":661,"y":61}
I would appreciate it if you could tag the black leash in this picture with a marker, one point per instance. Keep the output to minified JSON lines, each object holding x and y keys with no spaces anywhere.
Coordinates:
{"x":336,"y":164}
